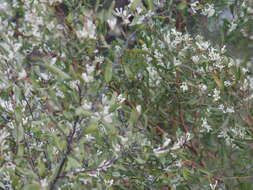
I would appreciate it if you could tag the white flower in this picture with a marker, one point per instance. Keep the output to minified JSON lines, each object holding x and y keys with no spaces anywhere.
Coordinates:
{"x":233,"y":26}
{"x":161,"y":149}
{"x":177,"y":62}
{"x":194,"y":6}
{"x":88,"y":30}
{"x":181,"y":141}
{"x":99,"y":59}
{"x":22,"y":75}
{"x":59,"y":93}
{"x":231,"y":63}
{"x":195,"y":59}
{"x":239,"y":132}
{"x":206,"y":127}
{"x":117,"y":48}
{"x":208,"y":10}
{"x":213,"y":186}
{"x":184,"y":86}
{"x":203,"y":45}
{"x":87,"y":78}
{"x":230,"y":110}
{"x":112,"y":23}
{"x":121,"y":98}
{"x":244,"y":70}
{"x":109,"y":182}
{"x":227,"y":83}
{"x":216,"y":95}
{"x":138,"y":108}
{"x":223,"y":49}
{"x":166,"y":142}
{"x":223,"y":133}
{"x":90,"y":68}
{"x":139,"y":10}
{"x":221,"y":107}
{"x":203,"y":87}
{"x":44,"y":183}
{"x":119,"y":12}
{"x":123,"y":14}
{"x":86,"y":105}
{"x":214,"y":56}
{"x":44,"y":76}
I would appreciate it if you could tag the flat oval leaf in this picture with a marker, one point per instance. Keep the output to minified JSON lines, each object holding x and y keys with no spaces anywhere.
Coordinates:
{"x":18,"y":133}
{"x":108,"y":72}
{"x":57,"y":71}
{"x":91,"y":128}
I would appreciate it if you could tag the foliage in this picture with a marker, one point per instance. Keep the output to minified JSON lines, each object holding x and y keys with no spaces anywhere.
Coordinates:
{"x":97,"y":97}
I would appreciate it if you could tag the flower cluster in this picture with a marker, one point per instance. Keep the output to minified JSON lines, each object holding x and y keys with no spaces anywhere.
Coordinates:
{"x":162,"y":113}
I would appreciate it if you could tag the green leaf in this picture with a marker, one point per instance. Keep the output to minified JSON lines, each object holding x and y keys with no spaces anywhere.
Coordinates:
{"x":41,"y":168}
{"x":128,"y":72}
{"x":135,"y":4}
{"x":2,"y":185}
{"x":133,"y":117}
{"x":27,"y":172}
{"x":108,"y":71}
{"x":21,"y":150}
{"x":150,"y":4}
{"x":73,"y":163}
{"x":59,"y":143}
{"x":18,"y":115}
{"x":17,"y":92}
{"x":91,"y":128}
{"x":218,"y":81}
{"x":80,"y":111}
{"x":32,"y":187}
{"x":68,"y":115}
{"x":18,"y":133}
{"x":186,"y":173}
{"x":57,"y":71}
{"x":205,"y":172}
{"x":140,"y":161}
{"x":182,"y":6}
{"x":116,"y":174}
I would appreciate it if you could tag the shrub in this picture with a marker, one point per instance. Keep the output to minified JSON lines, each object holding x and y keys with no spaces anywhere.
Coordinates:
{"x":135,"y":98}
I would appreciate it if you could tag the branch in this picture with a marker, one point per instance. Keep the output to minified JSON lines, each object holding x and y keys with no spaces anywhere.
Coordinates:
{"x":65,"y":156}
{"x":235,"y":177}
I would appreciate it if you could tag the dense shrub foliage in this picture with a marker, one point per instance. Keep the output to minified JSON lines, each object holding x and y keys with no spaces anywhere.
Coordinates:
{"x":157,"y":95}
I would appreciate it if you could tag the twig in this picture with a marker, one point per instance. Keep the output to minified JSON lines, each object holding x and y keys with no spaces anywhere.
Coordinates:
{"x":29,"y":107}
{"x":65,"y":156}
{"x":235,"y":177}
